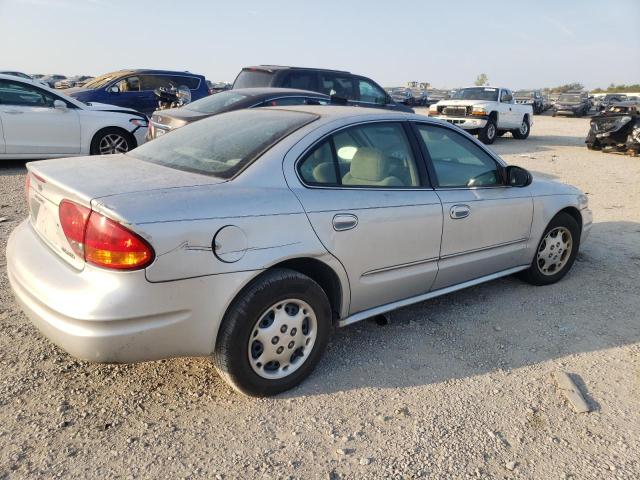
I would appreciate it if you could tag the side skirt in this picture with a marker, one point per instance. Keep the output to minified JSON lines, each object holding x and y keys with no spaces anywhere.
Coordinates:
{"x":372,"y":312}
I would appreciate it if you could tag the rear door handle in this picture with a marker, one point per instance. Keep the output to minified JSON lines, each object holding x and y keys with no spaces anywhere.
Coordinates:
{"x":459,"y":211}
{"x":344,"y":221}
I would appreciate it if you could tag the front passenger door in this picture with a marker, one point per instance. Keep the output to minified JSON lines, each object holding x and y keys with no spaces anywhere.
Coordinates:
{"x":508,"y":116}
{"x":486,"y":224}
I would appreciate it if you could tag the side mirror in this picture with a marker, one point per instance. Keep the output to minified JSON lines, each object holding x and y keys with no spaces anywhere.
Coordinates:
{"x":59,"y":104}
{"x":114,"y":89}
{"x":518,"y":176}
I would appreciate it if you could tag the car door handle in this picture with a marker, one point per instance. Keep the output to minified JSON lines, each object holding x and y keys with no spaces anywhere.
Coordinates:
{"x":459,"y":211}
{"x":13,"y":112}
{"x":344,"y":221}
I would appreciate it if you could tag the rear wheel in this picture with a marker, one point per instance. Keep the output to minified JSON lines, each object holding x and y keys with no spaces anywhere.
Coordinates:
{"x":522,"y":132}
{"x":556,"y":251}
{"x":112,"y":140}
{"x":273,"y":334}
{"x":488,"y":134}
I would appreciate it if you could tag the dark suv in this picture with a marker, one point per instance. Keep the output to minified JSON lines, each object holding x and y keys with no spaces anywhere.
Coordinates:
{"x":530,"y":97}
{"x":340,"y":85}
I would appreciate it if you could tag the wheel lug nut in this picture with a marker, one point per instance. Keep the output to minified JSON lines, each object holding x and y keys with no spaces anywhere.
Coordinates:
{"x":275,"y":340}
{"x":283,"y":329}
{"x":291,"y":344}
{"x":293,"y":331}
{"x":279,"y":350}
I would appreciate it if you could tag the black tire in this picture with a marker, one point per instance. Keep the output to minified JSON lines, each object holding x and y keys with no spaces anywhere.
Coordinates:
{"x":533,"y":274}
{"x":231,"y":356}
{"x":488,"y":134}
{"x":523,"y":132}
{"x":113,"y":132}
{"x":594,"y":146}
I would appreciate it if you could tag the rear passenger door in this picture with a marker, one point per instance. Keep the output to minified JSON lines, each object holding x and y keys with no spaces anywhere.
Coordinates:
{"x":487,"y":224}
{"x":366,"y":194}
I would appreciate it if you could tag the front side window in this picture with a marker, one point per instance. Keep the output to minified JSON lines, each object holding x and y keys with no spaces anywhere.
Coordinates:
{"x":370,"y":93}
{"x":371,"y":155}
{"x":457,"y":161}
{"x":337,"y":85}
{"x":505,"y":96}
{"x":129,"y":84}
{"x":223,"y":145}
{"x":16,"y":93}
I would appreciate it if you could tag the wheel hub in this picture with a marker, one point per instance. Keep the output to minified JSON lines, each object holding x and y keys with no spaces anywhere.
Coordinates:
{"x":282,"y":339}
{"x":554,"y":251}
{"x":113,"y":143}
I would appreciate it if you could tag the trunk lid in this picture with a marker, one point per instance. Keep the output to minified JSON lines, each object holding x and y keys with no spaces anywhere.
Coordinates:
{"x":84,"y":179}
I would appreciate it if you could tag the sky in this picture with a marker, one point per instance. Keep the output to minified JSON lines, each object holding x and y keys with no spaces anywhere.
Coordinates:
{"x":518,"y":44}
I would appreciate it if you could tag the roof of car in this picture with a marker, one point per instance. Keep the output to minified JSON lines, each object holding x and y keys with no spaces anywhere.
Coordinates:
{"x":273,"y":68}
{"x":149,"y":70}
{"x":255,"y":91}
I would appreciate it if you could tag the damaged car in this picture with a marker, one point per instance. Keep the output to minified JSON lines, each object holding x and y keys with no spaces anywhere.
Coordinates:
{"x":616,"y":129}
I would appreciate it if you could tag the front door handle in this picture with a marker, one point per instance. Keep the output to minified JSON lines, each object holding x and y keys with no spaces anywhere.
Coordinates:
{"x":344,"y":221}
{"x":13,"y":112}
{"x":459,"y":211}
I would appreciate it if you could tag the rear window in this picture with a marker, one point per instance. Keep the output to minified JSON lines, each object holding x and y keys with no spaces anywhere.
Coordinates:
{"x":224,"y":144}
{"x":253,"y":79}
{"x":216,"y":103}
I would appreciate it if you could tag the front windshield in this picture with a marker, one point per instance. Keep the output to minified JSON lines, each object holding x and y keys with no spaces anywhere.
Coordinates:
{"x":523,"y":94}
{"x":100,"y":81}
{"x":222,"y":145}
{"x":477,"y":93}
{"x":216,"y":103}
{"x":569,"y":98}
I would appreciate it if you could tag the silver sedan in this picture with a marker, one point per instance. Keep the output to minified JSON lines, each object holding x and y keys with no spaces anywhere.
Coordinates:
{"x":249,"y":235}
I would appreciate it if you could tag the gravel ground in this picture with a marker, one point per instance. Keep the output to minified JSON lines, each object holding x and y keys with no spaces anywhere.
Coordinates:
{"x":456,"y":387}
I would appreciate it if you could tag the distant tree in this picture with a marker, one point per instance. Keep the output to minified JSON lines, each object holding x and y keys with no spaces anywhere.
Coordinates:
{"x":568,"y":87}
{"x":482,"y":79}
{"x":635,"y":87}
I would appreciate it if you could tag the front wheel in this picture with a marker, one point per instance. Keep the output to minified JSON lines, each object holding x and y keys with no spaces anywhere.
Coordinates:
{"x":556,"y":251}
{"x":522,"y":132}
{"x":273,"y":334}
{"x":488,"y":134}
{"x":112,"y":140}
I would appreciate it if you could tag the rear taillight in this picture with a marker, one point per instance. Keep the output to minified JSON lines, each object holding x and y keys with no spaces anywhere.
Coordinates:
{"x":73,"y":220}
{"x":27,"y":185}
{"x":102,"y":241}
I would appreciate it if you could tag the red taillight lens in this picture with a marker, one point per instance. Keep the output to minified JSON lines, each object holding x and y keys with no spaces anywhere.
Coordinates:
{"x":102,"y":241}
{"x":108,"y":244}
{"x":73,"y":220}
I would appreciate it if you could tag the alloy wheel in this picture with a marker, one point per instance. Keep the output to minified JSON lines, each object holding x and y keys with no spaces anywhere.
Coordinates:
{"x":113,"y":143}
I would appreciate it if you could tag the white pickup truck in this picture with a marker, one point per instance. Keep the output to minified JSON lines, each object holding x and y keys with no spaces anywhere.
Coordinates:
{"x":488,"y":112}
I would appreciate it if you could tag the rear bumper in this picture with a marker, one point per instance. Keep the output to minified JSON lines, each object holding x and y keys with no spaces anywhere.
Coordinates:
{"x":105,"y":316}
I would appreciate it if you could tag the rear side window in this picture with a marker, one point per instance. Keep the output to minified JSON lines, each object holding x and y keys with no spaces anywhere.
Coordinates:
{"x":337,"y":85}
{"x":224,"y":144}
{"x":372,"y":155}
{"x":299,"y":80}
{"x":151,"y":82}
{"x":252,"y":79}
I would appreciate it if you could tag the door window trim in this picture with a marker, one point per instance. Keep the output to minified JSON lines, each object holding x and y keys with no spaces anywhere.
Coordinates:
{"x":423,"y":175}
{"x":431,"y":169}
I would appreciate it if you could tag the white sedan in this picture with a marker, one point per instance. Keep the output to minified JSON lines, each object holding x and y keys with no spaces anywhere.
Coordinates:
{"x":39,"y":122}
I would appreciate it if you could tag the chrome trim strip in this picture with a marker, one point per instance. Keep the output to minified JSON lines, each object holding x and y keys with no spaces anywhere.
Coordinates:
{"x":372,"y":312}
{"x":397,"y":267}
{"x":481,"y":249}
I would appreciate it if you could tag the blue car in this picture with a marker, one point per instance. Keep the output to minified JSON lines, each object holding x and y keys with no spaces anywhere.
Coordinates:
{"x":134,"y":88}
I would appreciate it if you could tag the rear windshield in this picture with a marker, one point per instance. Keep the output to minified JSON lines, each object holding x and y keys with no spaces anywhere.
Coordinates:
{"x":523,"y":94}
{"x":224,"y":144}
{"x":253,"y":79}
{"x":216,"y":103}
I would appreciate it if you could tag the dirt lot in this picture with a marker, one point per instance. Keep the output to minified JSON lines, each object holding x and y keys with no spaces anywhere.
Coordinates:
{"x":457,"y":387}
